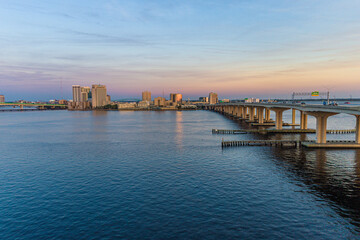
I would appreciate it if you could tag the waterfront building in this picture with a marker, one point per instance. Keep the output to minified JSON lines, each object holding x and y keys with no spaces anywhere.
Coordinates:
{"x":85,"y":91}
{"x":146,"y":96}
{"x":63,"y":101}
{"x":159,"y":101}
{"x":213,"y":98}
{"x":252,"y":100}
{"x":225,"y":100}
{"x":143,"y":104}
{"x":204,"y":99}
{"x":127,"y":105}
{"x":76,"y":90}
{"x":108,"y":99}
{"x":2,"y":98}
{"x":99,"y":95}
{"x":175,"y":97}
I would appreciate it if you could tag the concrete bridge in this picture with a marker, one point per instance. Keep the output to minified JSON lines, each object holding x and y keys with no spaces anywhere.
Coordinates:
{"x":38,"y":105}
{"x":260,"y":113}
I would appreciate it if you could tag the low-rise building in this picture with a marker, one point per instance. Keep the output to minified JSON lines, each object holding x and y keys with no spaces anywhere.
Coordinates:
{"x":159,"y":101}
{"x":79,"y":105}
{"x":143,"y":104}
{"x":127,"y":105}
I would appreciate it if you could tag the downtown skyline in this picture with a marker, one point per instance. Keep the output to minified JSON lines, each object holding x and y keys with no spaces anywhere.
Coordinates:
{"x":237,"y":49}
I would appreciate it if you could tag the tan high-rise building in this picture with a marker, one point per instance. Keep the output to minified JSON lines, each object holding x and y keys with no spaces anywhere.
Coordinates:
{"x":98,"y":95}
{"x":213,"y":98}
{"x":85,"y":94}
{"x":159,"y":101}
{"x":108,"y":99}
{"x":146,"y":96}
{"x":76,"y":89}
{"x":2,"y":98}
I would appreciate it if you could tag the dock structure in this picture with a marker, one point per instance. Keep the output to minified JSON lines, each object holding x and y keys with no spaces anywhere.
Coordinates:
{"x":281,"y":143}
{"x":335,"y":144}
{"x":260,"y":113}
{"x":284,"y":131}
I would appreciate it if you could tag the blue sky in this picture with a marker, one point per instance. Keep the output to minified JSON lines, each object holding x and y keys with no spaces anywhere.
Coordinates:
{"x":236,"y":48}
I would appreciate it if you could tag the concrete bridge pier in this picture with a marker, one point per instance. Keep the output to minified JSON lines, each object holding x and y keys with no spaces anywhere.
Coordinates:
{"x":303,"y":120}
{"x":244,"y":112}
{"x":267,"y":114}
{"x":260,"y":111}
{"x":293,"y":116}
{"x":251,"y":113}
{"x":321,"y":123}
{"x":21,"y":107}
{"x":357,"y":133}
{"x":279,"y":116}
{"x":239,"y":112}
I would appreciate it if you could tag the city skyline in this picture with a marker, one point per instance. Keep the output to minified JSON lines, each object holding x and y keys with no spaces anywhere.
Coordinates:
{"x":236,"y":49}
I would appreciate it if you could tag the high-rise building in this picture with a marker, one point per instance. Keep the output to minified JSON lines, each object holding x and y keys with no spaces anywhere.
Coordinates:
{"x":175,"y":97}
{"x":213,"y":98}
{"x":108,"y":99}
{"x":98,"y":95}
{"x":85,"y":91}
{"x":76,"y":89}
{"x":146,"y":96}
{"x":2,"y":98}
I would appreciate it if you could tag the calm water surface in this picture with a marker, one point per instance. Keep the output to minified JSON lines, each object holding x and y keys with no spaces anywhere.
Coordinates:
{"x":163,"y":175}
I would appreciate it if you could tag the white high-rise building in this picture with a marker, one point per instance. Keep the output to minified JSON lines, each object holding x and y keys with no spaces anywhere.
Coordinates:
{"x":76,"y":93}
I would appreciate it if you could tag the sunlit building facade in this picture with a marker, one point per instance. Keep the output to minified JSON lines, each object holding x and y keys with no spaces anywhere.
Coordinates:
{"x":213,"y":98}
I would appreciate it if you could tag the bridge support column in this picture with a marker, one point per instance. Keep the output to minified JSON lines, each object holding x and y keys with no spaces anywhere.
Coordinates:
{"x":357,"y":133}
{"x":239,"y":112}
{"x":260,"y":111}
{"x":293,"y":116}
{"x":21,"y":107}
{"x":251,"y":113}
{"x":321,"y":123}
{"x":303,"y":120}
{"x":267,"y":114}
{"x":244,"y":110}
{"x":279,"y":117}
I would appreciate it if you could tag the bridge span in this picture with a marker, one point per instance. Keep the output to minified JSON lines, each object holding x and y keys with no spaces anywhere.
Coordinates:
{"x":260,"y":113}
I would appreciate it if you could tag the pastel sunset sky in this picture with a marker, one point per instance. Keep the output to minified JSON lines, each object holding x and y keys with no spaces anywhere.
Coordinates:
{"x":237,"y":48}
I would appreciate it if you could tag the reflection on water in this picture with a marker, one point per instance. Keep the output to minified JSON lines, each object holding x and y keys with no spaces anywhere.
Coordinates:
{"x":332,"y":175}
{"x":179,"y":129}
{"x":329,"y":174}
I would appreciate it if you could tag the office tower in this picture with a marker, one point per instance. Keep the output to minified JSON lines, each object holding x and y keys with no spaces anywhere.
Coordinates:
{"x":213,"y":98}
{"x":76,"y":93}
{"x":146,"y":96}
{"x":85,"y":91}
{"x":108,"y":99}
{"x":98,"y":95}
{"x":175,"y":97}
{"x":2,"y":98}
{"x":178,"y":98}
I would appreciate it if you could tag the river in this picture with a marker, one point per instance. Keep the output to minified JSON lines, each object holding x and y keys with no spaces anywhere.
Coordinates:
{"x":163,"y":175}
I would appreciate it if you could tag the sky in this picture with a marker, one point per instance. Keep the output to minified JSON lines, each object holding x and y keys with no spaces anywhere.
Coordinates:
{"x":237,"y":48}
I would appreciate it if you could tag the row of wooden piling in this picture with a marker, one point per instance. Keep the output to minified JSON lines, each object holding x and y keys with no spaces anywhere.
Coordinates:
{"x":284,"y":131}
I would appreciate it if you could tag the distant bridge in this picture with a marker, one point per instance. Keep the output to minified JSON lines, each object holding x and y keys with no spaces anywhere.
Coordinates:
{"x":320,"y":112}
